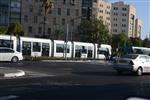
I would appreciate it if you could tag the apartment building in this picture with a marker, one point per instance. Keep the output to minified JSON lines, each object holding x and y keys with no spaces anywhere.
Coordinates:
{"x":102,"y":11}
{"x":4,"y":12}
{"x":64,"y":12}
{"x":15,"y":11}
{"x":123,"y":19}
{"x":138,"y":27}
{"x":10,"y":12}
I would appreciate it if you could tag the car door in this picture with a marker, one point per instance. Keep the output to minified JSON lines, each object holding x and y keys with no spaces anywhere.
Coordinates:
{"x":143,"y":63}
{"x":8,"y":54}
{"x":147,"y":63}
{"x":1,"y":55}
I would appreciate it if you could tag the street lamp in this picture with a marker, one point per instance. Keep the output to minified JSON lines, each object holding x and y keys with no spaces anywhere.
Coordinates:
{"x":66,"y":40}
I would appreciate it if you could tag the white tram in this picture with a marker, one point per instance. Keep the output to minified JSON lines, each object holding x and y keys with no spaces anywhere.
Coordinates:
{"x":37,"y":47}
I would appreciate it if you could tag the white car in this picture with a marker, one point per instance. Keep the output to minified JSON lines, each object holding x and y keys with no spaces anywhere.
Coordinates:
{"x":8,"y":54}
{"x":133,"y":62}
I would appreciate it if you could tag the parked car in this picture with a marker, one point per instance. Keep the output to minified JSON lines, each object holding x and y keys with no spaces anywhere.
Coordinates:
{"x":8,"y":54}
{"x":133,"y":62}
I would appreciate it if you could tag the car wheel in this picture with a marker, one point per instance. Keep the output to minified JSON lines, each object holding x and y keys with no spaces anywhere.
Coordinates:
{"x":139,"y":71}
{"x":14,"y":59}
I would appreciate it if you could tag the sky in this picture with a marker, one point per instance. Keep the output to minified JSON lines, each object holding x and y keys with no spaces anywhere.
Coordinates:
{"x":142,"y":12}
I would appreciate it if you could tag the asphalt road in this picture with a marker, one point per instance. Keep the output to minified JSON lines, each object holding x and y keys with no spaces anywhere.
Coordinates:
{"x":72,"y":81}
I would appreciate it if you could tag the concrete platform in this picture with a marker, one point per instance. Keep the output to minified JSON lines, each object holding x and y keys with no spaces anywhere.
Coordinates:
{"x":10,"y":72}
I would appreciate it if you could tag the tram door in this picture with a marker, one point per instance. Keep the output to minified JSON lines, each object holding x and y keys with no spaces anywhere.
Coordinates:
{"x":45,"y":49}
{"x":26,"y":48}
{"x":90,"y":52}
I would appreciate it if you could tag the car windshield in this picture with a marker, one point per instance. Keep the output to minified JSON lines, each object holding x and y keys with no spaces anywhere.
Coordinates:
{"x":130,"y":56}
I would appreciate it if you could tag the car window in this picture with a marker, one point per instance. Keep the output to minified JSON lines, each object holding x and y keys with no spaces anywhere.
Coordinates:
{"x":130,"y":56}
{"x":148,"y":58}
{"x":7,"y":51}
{"x":142,"y":58}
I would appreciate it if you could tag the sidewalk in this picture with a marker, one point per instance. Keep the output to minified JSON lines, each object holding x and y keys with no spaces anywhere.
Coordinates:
{"x":6,"y":72}
{"x":90,"y":61}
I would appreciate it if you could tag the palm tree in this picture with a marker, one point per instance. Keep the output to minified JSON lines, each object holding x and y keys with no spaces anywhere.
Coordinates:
{"x":47,"y":5}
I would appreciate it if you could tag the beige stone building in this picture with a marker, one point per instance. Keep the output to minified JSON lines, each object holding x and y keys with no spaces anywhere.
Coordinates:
{"x":102,"y":11}
{"x":138,"y":27}
{"x":118,"y":17}
{"x":64,"y":12}
{"x":123,"y":19}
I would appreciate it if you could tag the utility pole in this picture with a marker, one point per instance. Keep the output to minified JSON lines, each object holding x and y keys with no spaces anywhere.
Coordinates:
{"x":66,"y":41}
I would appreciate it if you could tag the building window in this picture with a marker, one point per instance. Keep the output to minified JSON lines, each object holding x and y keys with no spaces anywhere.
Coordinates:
{"x":101,"y":5}
{"x":115,"y":13}
{"x":108,"y":18}
{"x":123,"y":20}
{"x":123,"y":31}
{"x":108,"y":7}
{"x":63,"y":21}
{"x":115,"y":8}
{"x":124,"y":14}
{"x":124,"y":9}
{"x":35,"y":19}
{"x":114,"y":30}
{"x":72,"y":2}
{"x":49,"y":30}
{"x":115,"y":25}
{"x":101,"y":11}
{"x":115,"y":19}
{"x":77,"y":12}
{"x":59,"y":11}
{"x":31,"y":8}
{"x":30,"y":29}
{"x":54,"y":21}
{"x":64,"y":1}
{"x":68,"y":12}
{"x":72,"y":22}
{"x":123,"y":25}
{"x":39,"y":30}
{"x":95,"y":1}
{"x":101,"y":17}
{"x":25,"y":18}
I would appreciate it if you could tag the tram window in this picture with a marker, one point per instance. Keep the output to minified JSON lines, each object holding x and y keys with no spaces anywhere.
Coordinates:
{"x":68,"y":49}
{"x":59,"y":48}
{"x":26,"y":48}
{"x":78,"y":51}
{"x":45,"y":49}
{"x":84,"y":50}
{"x":90,"y":51}
{"x":6,"y":43}
{"x":36,"y":47}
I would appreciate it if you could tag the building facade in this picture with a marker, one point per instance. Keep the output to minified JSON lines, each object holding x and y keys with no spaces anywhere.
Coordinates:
{"x":102,"y":11}
{"x":4,"y":13}
{"x":15,"y":11}
{"x":10,"y":12}
{"x":64,"y":13}
{"x":138,"y":27}
{"x":123,"y":19}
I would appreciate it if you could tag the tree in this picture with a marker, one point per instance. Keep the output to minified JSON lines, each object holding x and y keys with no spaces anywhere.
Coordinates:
{"x":94,"y":31}
{"x":16,"y":29}
{"x":3,"y":30}
{"x":57,"y":34}
{"x":146,"y":42}
{"x":47,"y":5}
{"x":136,"y":41}
{"x":119,"y":41}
